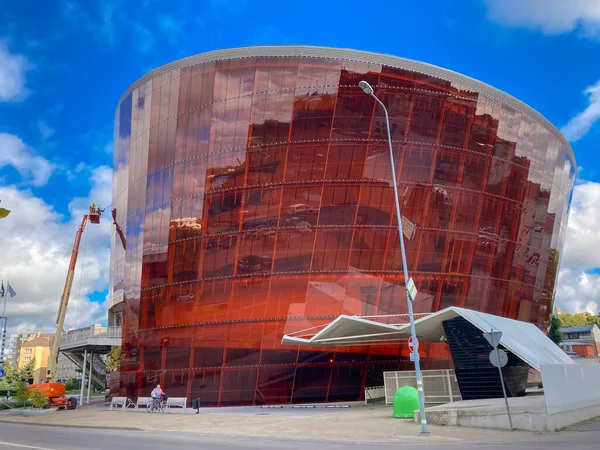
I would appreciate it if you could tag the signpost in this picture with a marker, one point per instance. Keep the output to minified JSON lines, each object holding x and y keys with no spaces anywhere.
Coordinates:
{"x":411,"y":345}
{"x":412,"y":289}
{"x":3,"y":333}
{"x":1,"y":373}
{"x":499,"y":359}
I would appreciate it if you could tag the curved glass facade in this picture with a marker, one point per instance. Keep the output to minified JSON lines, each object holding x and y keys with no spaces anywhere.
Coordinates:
{"x":254,"y":190}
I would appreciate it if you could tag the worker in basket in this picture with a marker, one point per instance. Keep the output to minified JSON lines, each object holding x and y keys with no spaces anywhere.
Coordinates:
{"x":157,"y":395}
{"x":93,"y":208}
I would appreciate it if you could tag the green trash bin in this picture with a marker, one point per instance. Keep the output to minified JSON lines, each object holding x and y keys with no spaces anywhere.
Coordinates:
{"x":406,"y":402}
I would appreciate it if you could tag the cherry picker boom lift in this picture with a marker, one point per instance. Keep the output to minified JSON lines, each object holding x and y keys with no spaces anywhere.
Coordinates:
{"x":54,"y":391}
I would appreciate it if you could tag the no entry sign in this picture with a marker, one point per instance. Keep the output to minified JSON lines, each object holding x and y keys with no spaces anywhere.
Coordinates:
{"x":411,"y":345}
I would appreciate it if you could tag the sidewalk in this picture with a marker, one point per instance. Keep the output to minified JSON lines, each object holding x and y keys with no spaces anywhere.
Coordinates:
{"x":356,"y":424}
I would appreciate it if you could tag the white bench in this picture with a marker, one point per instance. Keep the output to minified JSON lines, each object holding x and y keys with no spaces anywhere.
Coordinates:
{"x":142,"y":402}
{"x":372,"y":394}
{"x":177,"y":402}
{"x":122,"y":402}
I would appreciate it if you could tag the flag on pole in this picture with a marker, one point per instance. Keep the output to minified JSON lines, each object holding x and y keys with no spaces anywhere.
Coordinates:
{"x":10,"y":290}
{"x":2,"y":289}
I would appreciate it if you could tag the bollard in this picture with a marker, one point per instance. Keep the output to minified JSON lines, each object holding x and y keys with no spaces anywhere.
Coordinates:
{"x":196,"y":405}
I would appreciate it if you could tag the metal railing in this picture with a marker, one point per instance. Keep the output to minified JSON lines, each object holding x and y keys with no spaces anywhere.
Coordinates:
{"x":69,"y":339}
{"x":440,"y":386}
{"x":372,"y":394}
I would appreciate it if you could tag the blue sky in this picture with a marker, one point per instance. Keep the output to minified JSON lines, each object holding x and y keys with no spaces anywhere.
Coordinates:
{"x":65,"y":64}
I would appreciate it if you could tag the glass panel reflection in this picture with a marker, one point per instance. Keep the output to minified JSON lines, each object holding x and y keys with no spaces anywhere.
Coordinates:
{"x":258,"y":202}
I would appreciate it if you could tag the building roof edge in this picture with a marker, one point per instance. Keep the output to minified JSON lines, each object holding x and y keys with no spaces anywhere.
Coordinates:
{"x":359,"y":56}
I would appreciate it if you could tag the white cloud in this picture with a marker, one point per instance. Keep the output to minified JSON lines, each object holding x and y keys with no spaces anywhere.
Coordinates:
{"x":578,"y":291}
{"x":100,"y":193}
{"x":144,"y":38}
{"x":14,"y":152}
{"x":583,"y":231}
{"x":100,"y":19}
{"x":578,"y":287}
{"x":45,"y":130}
{"x":551,"y":17}
{"x":13,"y":69}
{"x":80,"y":170}
{"x":579,"y":125}
{"x":36,"y":245}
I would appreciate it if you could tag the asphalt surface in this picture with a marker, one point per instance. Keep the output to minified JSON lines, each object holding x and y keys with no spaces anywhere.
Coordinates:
{"x":15,"y":436}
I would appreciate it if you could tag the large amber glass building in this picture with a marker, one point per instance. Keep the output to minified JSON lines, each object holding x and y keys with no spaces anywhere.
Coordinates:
{"x":254,"y":188}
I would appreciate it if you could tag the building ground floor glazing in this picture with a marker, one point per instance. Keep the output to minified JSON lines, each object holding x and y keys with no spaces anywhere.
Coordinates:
{"x":220,"y":365}
{"x":220,"y":341}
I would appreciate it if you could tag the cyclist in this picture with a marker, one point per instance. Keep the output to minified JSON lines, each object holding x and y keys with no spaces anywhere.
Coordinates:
{"x":157,"y":395}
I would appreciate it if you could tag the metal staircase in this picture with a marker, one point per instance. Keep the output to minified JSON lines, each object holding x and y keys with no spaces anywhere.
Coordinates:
{"x":87,"y":347}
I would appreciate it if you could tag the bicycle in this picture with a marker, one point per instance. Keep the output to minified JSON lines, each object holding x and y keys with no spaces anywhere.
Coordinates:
{"x":160,"y":406}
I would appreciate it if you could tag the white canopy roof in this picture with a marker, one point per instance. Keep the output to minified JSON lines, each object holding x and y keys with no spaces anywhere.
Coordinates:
{"x":523,"y":339}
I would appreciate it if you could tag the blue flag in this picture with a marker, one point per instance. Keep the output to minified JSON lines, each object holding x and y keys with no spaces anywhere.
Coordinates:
{"x":2,"y":289}
{"x":10,"y":290}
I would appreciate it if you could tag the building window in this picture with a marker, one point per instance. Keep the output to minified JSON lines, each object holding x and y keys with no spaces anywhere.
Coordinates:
{"x":27,"y":359}
{"x":28,"y":350}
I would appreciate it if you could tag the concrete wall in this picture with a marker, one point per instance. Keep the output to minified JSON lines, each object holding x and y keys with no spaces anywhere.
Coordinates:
{"x":528,"y":413}
{"x":65,"y":368}
{"x":571,"y":387}
{"x":587,"y":360}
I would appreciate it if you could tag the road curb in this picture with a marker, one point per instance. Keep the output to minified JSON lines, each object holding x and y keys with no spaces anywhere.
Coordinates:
{"x":56,"y":425}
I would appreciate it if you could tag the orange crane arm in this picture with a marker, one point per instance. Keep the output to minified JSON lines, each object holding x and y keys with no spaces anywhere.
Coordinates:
{"x":119,"y":229}
{"x":64,"y":302}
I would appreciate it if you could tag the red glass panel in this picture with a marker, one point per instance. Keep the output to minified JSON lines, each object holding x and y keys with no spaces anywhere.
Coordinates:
{"x":258,"y":202}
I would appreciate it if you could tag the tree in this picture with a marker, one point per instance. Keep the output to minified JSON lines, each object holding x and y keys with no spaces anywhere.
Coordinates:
{"x":12,"y":377}
{"x":5,"y":381}
{"x":113,"y":360}
{"x":22,"y":392}
{"x":28,"y":369}
{"x":555,"y":325}
{"x":4,"y":212}
{"x":591,"y":320}
{"x":38,"y":399}
{"x":72,"y":384}
{"x":568,"y":320}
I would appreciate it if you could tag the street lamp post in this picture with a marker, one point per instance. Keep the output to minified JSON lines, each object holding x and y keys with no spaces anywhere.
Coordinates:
{"x":366,"y":87}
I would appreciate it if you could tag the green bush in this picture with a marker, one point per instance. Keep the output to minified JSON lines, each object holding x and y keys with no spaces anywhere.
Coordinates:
{"x":9,"y":405}
{"x":22,"y":394}
{"x":38,"y":399}
{"x":113,"y":360}
{"x":72,"y":384}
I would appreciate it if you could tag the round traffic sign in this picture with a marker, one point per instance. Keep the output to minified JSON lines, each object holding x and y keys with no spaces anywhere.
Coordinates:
{"x":411,"y":344}
{"x":498,"y":358}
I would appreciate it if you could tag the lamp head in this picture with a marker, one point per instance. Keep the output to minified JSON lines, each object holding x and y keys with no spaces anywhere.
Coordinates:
{"x":366,"y":87}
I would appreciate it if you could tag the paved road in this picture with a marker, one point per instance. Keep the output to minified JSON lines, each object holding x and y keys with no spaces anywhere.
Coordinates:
{"x":15,"y":436}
